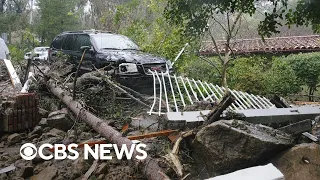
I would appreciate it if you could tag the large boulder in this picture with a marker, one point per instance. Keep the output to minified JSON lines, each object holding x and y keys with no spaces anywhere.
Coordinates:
{"x":226,"y":146}
{"x":60,"y":120}
{"x":300,"y":162}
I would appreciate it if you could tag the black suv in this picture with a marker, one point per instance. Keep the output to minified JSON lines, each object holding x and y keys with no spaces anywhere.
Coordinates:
{"x":113,"y":52}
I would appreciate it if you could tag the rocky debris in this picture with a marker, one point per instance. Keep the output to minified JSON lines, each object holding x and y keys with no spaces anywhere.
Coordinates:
{"x":300,"y":162}
{"x":14,"y":138}
{"x":124,"y":173}
{"x":56,"y":132}
{"x":226,"y":146}
{"x":48,"y":173}
{"x":26,"y":172}
{"x":102,"y":168}
{"x":43,"y":113}
{"x":60,"y":120}
{"x":43,"y":122}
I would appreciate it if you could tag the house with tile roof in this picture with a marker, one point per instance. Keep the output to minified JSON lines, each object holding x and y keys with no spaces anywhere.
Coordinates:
{"x":276,"y":45}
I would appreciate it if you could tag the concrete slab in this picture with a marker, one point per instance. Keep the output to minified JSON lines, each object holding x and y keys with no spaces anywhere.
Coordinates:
{"x":280,"y":115}
{"x":268,"y":172}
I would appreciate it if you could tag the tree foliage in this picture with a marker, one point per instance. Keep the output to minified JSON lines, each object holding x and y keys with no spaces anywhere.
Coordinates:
{"x":247,"y":74}
{"x":307,"y":69}
{"x":281,"y":78}
{"x":196,"y":13}
{"x":143,"y":22}
{"x":56,"y":16}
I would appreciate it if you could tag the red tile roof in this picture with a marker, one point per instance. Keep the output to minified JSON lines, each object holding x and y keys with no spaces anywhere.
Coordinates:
{"x":271,"y":45}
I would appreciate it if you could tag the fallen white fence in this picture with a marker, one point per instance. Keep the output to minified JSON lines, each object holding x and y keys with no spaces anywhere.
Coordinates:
{"x":172,"y":93}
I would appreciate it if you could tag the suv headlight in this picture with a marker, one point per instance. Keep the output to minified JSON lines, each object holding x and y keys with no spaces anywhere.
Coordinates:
{"x":128,"y":68}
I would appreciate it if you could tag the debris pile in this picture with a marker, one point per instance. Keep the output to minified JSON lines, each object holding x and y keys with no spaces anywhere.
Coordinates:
{"x":95,"y":109}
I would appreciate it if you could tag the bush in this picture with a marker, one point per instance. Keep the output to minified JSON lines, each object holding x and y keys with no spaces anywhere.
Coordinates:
{"x":281,"y":78}
{"x":16,"y":53}
{"x":201,"y":70}
{"x":247,"y":74}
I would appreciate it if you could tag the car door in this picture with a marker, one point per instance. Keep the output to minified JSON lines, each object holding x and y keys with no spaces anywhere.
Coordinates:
{"x":80,"y":41}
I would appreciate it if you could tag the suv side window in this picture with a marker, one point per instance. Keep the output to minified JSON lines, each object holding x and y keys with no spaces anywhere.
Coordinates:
{"x":57,"y":43}
{"x":82,"y":40}
{"x":68,"y":42}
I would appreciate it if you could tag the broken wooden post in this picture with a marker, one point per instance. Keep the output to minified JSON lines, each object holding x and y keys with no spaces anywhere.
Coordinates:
{"x":224,"y":103}
{"x":148,"y":166}
{"x":279,"y":102}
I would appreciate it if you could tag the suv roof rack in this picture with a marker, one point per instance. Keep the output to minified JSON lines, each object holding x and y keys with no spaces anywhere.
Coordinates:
{"x":88,"y":31}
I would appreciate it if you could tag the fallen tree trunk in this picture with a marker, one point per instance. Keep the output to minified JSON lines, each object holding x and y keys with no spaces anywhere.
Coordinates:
{"x":148,"y":166}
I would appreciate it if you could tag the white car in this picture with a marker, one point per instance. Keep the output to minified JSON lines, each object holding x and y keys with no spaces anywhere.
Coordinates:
{"x":38,"y":53}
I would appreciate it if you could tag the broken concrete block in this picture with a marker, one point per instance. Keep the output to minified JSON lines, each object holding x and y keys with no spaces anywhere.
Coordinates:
{"x":267,"y":172}
{"x":59,"y":120}
{"x":226,"y":146}
{"x":300,"y":162}
{"x":279,"y":115}
{"x":297,"y":128}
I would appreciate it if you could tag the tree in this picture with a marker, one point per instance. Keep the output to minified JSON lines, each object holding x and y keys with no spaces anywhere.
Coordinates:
{"x":143,"y":21}
{"x":201,"y":17}
{"x":307,"y":69}
{"x":56,"y":16}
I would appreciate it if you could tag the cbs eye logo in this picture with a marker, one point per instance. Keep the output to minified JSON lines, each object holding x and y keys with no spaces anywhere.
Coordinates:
{"x":28,"y":151}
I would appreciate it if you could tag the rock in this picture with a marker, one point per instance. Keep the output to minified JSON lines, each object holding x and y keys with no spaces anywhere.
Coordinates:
{"x":300,"y":162}
{"x":60,"y":120}
{"x":46,"y":129}
{"x":226,"y":146}
{"x":57,"y":132}
{"x":85,"y":136}
{"x":101,"y":177}
{"x":4,"y":137}
{"x":2,"y":144}
{"x":43,"y":122}
{"x":14,"y":138}
{"x":120,"y":172}
{"x":80,"y":167}
{"x":37,"y":130}
{"x":37,"y":160}
{"x":26,"y":172}
{"x":3,"y":176}
{"x":102,"y":168}
{"x":48,"y":173}
{"x":55,"y":113}
{"x":43,"y":113}
{"x":48,"y":139}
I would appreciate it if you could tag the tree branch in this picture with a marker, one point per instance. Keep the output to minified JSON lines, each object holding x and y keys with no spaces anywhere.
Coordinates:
{"x":211,"y":63}
{"x":215,"y":45}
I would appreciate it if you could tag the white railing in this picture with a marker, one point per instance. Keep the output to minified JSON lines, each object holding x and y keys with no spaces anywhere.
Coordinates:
{"x":180,"y":92}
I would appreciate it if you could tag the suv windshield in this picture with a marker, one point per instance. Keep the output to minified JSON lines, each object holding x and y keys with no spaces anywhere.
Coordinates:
{"x":111,"y":41}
